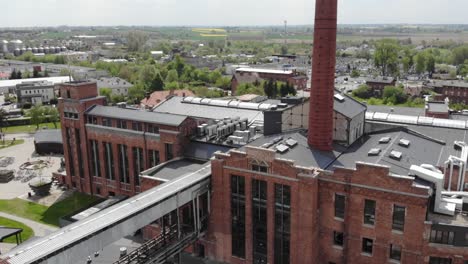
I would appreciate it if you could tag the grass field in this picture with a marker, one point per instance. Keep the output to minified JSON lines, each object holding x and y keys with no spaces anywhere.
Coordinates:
{"x":26,"y":234}
{"x":10,"y":143}
{"x":28,"y":128}
{"x":47,"y":215}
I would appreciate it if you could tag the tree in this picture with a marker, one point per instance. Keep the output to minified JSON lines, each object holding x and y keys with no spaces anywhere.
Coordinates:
{"x":363,"y":92}
{"x":268,"y":88}
{"x":355,"y":74}
{"x":172,"y":76}
{"x":19,"y":75}
{"x":136,"y":40}
{"x":223,"y":83}
{"x":3,"y":116}
{"x":420,"y":59}
{"x":284,"y":89}
{"x":107,"y":92}
{"x":36,"y":115}
{"x":53,"y":115}
{"x":284,"y":50}
{"x":430,"y":64}
{"x":136,"y":93}
{"x":117,"y":98}
{"x":386,"y":56}
{"x":147,"y":75}
{"x":13,"y":75}
{"x":157,"y":84}
{"x":394,"y":95}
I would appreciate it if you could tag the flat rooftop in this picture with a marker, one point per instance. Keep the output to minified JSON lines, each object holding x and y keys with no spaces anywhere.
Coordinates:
{"x":171,"y":170}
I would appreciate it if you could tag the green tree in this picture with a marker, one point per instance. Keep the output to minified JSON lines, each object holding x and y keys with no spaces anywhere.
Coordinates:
{"x":52,"y":114}
{"x":223,"y":83}
{"x":386,"y":56}
{"x":36,"y":113}
{"x":147,"y":75}
{"x":214,"y":76}
{"x":117,"y":98}
{"x":172,"y":76}
{"x":136,"y":41}
{"x":157,"y":84}
{"x":430,"y":64}
{"x":355,"y":74}
{"x":284,"y":89}
{"x":19,"y":75}
{"x":363,"y":92}
{"x":136,"y":93}
{"x":13,"y":75}
{"x":3,"y":117}
{"x":394,"y":95}
{"x":284,"y":50}
{"x":268,"y":88}
{"x":420,"y":59}
{"x":107,"y":92}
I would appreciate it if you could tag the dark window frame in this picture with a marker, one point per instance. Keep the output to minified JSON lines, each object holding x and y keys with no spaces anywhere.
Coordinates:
{"x":338,"y":238}
{"x":369,"y":212}
{"x":367,"y":245}
{"x":395,"y":252}
{"x":340,"y":205}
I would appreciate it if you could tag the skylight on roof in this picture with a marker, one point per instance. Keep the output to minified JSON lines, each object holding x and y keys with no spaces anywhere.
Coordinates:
{"x":396,"y":155}
{"x":385,"y":140}
{"x":404,"y":142}
{"x":291,"y":143}
{"x":282,"y":148}
{"x":339,"y":97}
{"x":374,"y":152}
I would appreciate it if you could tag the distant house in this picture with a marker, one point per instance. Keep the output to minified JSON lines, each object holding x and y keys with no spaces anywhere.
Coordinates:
{"x":157,"y":54}
{"x":160,"y":96}
{"x":35,"y":93}
{"x":455,"y":91}
{"x":438,"y":109}
{"x":251,"y":75}
{"x":117,"y":85}
{"x":378,"y":84}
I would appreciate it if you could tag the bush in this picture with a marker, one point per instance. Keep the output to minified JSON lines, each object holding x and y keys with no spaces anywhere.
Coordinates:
{"x":355,"y":74}
{"x":27,"y":106}
{"x":363,"y":92}
{"x":394,"y":95}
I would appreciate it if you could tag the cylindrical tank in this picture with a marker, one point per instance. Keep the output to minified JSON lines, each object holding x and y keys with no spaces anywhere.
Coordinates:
{"x":63,"y":48}
{"x":35,"y":50}
{"x":17,"y":52}
{"x":40,"y":49}
{"x":23,"y":50}
{"x":29,"y":49}
{"x":46,"y":50}
{"x":57,"y":49}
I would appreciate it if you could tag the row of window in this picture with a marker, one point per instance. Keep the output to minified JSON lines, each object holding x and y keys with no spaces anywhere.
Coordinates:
{"x":123,"y":124}
{"x":368,"y":246}
{"x":70,"y":115}
{"x":33,"y":91}
{"x":398,"y":218}
{"x":448,"y":238}
{"x":123,"y":161}
{"x":282,"y":224}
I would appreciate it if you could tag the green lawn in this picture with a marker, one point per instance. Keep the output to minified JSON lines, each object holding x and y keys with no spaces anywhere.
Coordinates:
{"x":10,"y":143}
{"x":26,"y":234}
{"x":28,"y":128}
{"x":47,"y":215}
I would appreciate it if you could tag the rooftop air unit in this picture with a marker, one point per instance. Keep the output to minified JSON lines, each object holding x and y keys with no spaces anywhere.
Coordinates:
{"x":385,"y":140}
{"x":291,"y":143}
{"x":396,"y":155}
{"x":282,"y":148}
{"x":374,"y":152}
{"x":404,"y":143}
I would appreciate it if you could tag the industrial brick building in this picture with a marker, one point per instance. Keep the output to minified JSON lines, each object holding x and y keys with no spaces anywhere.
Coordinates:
{"x":319,"y":180}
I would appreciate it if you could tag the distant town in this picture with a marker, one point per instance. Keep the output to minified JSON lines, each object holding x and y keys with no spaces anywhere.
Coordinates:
{"x":283,"y":144}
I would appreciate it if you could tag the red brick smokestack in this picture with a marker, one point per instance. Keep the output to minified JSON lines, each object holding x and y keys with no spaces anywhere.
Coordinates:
{"x":323,"y":76}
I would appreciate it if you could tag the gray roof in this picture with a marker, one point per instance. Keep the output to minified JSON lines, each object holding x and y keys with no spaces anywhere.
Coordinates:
{"x":301,"y":154}
{"x":438,"y":107}
{"x":137,"y":115}
{"x":203,"y":150}
{"x":173,"y":169}
{"x":6,"y":232}
{"x":412,"y":111}
{"x":48,"y":136}
{"x":112,"y":82}
{"x":420,"y":151}
{"x":380,"y":79}
{"x":174,"y":105}
{"x":348,"y":107}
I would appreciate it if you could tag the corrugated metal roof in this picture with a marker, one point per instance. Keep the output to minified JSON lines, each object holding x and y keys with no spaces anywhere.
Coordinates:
{"x":137,"y":115}
{"x":48,"y":136}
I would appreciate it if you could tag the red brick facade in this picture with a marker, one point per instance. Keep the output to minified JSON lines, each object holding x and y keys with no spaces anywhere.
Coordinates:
{"x":78,"y":99}
{"x":313,"y":221}
{"x":323,"y":75}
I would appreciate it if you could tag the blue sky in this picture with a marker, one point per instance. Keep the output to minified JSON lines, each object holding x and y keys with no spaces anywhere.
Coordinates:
{"x":223,"y":12}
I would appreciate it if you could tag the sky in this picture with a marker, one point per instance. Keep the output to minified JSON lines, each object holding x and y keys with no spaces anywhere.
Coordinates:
{"x":26,"y":13}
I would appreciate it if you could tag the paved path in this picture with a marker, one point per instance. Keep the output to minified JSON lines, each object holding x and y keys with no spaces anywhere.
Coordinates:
{"x":39,"y":229}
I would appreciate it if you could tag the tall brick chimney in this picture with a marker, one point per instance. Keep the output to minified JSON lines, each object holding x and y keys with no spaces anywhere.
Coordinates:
{"x":323,"y":76}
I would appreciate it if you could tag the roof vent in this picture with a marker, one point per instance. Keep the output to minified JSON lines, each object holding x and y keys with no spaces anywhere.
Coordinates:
{"x":276,"y":140}
{"x":396,"y":155}
{"x":291,"y":143}
{"x":404,"y":142}
{"x":374,"y":152}
{"x":281,"y":148}
{"x":267,"y":145}
{"x":339,"y":97}
{"x":385,"y":140}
